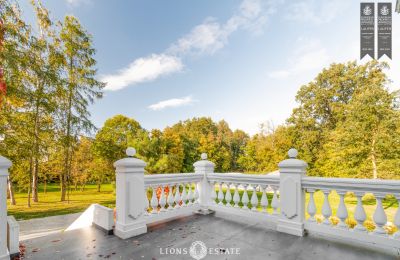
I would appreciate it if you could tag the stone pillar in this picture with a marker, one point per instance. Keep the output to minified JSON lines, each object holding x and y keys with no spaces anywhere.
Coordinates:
{"x":130,"y":201}
{"x":204,"y":187}
{"x":292,"y":196}
{"x":4,"y":165}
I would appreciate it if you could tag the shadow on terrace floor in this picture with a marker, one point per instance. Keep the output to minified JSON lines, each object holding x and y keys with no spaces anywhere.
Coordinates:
{"x":253,"y":243}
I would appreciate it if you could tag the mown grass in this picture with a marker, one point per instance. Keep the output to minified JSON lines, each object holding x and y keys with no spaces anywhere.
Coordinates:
{"x":50,"y":205}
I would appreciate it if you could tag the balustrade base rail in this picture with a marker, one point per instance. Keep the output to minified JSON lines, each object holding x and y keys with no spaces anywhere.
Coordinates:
{"x":168,"y":215}
{"x":366,"y":240}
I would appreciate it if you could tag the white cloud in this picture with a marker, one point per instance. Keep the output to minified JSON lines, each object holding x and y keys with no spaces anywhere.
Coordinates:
{"x":315,"y":11}
{"x":205,"y":38}
{"x":143,"y":69}
{"x":211,"y":35}
{"x":174,"y":102}
{"x":308,"y":56}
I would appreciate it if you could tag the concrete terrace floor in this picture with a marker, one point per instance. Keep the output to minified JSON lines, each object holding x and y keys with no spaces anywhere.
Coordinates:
{"x":253,"y":243}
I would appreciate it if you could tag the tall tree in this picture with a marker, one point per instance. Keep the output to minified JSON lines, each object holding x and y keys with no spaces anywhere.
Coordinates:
{"x":324,"y":101}
{"x":43,"y":78}
{"x":81,"y":88}
{"x":14,"y":140}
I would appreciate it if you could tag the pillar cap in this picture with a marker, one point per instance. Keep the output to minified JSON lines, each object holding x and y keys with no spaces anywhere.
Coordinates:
{"x":130,"y":161}
{"x":203,"y":162}
{"x":292,"y":162}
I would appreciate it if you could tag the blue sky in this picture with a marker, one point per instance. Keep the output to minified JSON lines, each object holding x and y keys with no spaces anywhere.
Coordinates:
{"x":240,"y":60}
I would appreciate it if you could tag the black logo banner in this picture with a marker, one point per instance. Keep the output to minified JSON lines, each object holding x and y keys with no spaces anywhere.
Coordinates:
{"x":367,"y":30}
{"x":385,"y":30}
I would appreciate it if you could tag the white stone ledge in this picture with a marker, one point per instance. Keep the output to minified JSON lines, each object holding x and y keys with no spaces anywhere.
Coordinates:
{"x":348,"y":184}
{"x":385,"y":244}
{"x":265,"y":219}
{"x":244,"y":178}
{"x":168,"y":215}
{"x":176,"y":178}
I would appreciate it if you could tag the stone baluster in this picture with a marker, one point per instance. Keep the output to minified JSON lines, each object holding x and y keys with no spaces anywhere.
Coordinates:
{"x":380,"y":218}
{"x":177,"y":197}
{"x":228,"y":195}
{"x":130,"y":198}
{"x":254,"y":198}
{"x":5,"y":164}
{"x":213,"y":193}
{"x":220,"y":194}
{"x":146,"y":201}
{"x":396,"y":219}
{"x":245,"y":198}
{"x":163,"y":199}
{"x":359,"y":214}
{"x":184,"y":195}
{"x":275,"y":201}
{"x":311,"y":209}
{"x":170,"y":198}
{"x":154,"y":201}
{"x":342,"y":210}
{"x":326,"y":208}
{"x":196,"y":195}
{"x":190,"y":194}
{"x":264,"y":199}
{"x":236,"y":197}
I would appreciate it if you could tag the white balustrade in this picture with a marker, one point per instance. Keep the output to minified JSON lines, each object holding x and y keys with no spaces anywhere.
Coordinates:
{"x":247,"y":196}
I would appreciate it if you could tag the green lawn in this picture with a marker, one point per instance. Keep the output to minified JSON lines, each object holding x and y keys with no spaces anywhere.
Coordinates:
{"x":49,"y":204}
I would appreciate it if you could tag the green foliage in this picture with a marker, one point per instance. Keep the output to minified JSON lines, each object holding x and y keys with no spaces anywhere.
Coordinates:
{"x":347,"y":123}
{"x":51,"y":80}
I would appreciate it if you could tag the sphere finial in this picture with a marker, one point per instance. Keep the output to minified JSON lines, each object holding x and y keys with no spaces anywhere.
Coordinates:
{"x":293,"y":153}
{"x":130,"y":151}
{"x":204,"y":156}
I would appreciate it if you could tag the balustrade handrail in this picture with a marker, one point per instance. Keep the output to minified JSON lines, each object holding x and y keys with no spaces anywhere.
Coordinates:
{"x":353,"y":185}
{"x":259,"y":179}
{"x":175,"y":178}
